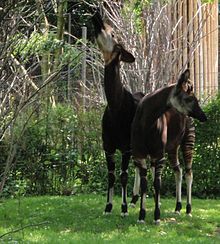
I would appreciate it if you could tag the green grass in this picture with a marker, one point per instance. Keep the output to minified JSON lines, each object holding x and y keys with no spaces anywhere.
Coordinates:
{"x":79,"y":219}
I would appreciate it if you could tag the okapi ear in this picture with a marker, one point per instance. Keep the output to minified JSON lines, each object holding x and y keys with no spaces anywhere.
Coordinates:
{"x":183,"y":82}
{"x":190,"y":87}
{"x":126,"y":56}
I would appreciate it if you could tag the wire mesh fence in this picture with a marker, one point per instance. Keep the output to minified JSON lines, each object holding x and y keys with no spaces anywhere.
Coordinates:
{"x":61,"y":152}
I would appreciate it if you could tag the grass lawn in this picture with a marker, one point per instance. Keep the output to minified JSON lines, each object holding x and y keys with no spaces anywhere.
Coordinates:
{"x":79,"y":219}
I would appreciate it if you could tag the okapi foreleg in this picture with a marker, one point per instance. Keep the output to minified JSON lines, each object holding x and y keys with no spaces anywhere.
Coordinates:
{"x":136,"y":187}
{"x":111,"y":181}
{"x":189,"y":180}
{"x":173,"y":158}
{"x":178,"y":178}
{"x":124,"y":181}
{"x":157,"y":185}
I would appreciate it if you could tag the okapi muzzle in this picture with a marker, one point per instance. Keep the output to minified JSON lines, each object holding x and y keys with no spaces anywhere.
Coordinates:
{"x":197,"y":112}
{"x":97,"y":23}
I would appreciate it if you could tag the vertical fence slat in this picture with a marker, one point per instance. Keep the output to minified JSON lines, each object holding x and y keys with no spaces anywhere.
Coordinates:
{"x":196,"y":44}
{"x":211,"y":48}
{"x":179,"y":34}
{"x":214,"y":46}
{"x":185,"y":56}
{"x":201,"y":70}
{"x":174,"y":7}
{"x":190,"y":25}
{"x":204,"y":51}
{"x":216,"y":39}
{"x":84,"y":37}
{"x":209,"y":51}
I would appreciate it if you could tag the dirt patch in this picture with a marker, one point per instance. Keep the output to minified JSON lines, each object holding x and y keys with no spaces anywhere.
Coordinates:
{"x":170,"y":220}
{"x":217,"y":231}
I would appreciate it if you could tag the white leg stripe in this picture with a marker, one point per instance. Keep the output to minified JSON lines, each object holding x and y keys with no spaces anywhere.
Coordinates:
{"x":136,"y":182}
{"x":189,"y":180}
{"x":143,"y":204}
{"x":111,"y":192}
{"x":153,"y":172}
{"x":178,"y":177}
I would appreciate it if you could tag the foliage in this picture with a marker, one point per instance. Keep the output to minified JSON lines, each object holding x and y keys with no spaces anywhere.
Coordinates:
{"x":207,"y":1}
{"x":61,"y":153}
{"x":39,"y":44}
{"x":137,"y":6}
{"x":79,"y":219}
{"x":207,"y":153}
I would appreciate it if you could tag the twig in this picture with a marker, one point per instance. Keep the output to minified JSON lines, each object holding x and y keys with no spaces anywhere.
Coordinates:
{"x":24,"y":227}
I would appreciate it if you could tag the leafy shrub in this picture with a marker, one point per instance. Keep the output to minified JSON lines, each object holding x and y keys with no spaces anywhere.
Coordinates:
{"x":207,"y":153}
{"x":61,"y":153}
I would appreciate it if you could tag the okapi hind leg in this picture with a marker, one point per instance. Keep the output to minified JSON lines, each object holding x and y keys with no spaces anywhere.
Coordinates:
{"x":187,"y":150}
{"x":124,"y":181}
{"x":141,"y":164}
{"x":152,"y":165}
{"x":189,"y":180}
{"x":111,"y":181}
{"x":157,"y":185}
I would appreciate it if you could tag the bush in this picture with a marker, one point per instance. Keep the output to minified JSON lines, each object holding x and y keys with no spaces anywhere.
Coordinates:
{"x":207,"y":153}
{"x":61,"y":153}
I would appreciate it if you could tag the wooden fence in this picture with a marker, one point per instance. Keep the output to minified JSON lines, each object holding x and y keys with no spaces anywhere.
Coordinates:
{"x":175,"y":35}
{"x":196,"y":38}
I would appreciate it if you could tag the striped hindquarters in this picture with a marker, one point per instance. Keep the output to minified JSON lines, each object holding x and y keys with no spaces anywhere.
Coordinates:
{"x":188,"y":143}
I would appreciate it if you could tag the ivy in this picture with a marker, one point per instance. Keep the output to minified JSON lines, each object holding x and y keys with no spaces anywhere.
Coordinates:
{"x":39,"y":44}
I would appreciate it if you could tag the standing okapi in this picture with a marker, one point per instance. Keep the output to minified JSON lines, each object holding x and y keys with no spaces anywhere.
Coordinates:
{"x":180,"y":133}
{"x":120,"y":110}
{"x":150,"y":135}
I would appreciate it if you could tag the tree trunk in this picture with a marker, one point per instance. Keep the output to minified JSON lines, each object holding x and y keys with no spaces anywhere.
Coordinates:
{"x":44,"y":28}
{"x":60,"y":32}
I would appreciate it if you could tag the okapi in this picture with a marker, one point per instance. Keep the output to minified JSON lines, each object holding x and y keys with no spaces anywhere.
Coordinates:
{"x":120,"y":110}
{"x":180,"y":133}
{"x":150,"y":135}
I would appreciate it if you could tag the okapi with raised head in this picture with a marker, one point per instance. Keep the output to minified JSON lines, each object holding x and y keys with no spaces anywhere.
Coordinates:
{"x":150,"y":135}
{"x":120,"y":110}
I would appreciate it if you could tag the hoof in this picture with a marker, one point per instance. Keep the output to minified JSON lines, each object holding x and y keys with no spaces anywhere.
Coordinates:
{"x":132,"y":205}
{"x":141,"y":221}
{"x":157,"y":222}
{"x":177,"y":212}
{"x":107,"y":213}
{"x":124,"y":214}
{"x":134,"y":199}
{"x":108,"y":208}
{"x":189,"y":215}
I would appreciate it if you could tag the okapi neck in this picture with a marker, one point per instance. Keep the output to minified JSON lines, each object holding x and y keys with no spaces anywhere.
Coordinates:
{"x":156,"y":104}
{"x":112,"y":85}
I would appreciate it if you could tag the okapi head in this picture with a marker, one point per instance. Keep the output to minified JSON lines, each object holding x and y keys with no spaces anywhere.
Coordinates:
{"x":108,"y":43}
{"x":183,"y":99}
